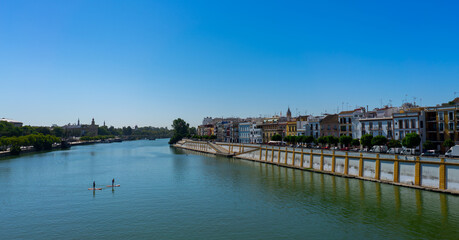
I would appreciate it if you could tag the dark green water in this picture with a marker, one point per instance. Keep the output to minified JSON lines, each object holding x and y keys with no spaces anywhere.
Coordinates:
{"x":167,"y":193}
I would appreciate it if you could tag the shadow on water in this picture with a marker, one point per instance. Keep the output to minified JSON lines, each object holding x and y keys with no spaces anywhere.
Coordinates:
{"x":423,"y":214}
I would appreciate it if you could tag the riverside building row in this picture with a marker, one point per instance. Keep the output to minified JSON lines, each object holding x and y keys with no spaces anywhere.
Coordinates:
{"x":434,"y":124}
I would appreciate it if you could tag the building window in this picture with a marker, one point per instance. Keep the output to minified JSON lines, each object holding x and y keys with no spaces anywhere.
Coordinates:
{"x":440,"y":116}
{"x":389,"y":133}
{"x":389,"y":125}
{"x":407,"y":123}
{"x":371,"y":125}
{"x":400,"y":124}
{"x":363,"y":125}
{"x":421,"y":124}
{"x":450,"y":116}
{"x":451,"y":126}
{"x":440,"y":127}
{"x":380,"y":125}
{"x":413,"y":123}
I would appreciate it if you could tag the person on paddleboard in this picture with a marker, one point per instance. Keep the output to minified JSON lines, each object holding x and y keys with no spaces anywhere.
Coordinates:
{"x":94,"y":184}
{"x":113,"y":182}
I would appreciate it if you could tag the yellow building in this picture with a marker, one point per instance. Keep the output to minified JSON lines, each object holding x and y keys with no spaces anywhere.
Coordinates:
{"x":290,"y":129}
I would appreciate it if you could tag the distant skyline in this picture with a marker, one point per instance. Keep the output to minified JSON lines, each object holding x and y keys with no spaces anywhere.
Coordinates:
{"x":146,"y":63}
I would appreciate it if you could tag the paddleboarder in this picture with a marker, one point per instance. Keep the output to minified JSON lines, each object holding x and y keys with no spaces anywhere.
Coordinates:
{"x":94,"y":184}
{"x":113,"y":182}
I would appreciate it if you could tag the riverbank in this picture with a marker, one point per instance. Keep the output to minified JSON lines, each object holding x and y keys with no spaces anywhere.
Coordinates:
{"x":425,"y":173}
{"x":57,"y":146}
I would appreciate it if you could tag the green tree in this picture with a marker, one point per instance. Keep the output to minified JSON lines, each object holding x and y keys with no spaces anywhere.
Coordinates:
{"x":127,"y":131}
{"x":103,"y":130}
{"x":428,"y":145}
{"x":57,"y":131}
{"x":394,"y":144}
{"x":379,"y":140}
{"x":287,"y":139}
{"x":411,"y":140}
{"x":193,"y":131}
{"x":355,"y":142}
{"x":332,"y":140}
{"x":345,"y":140}
{"x":308,"y":139}
{"x":276,"y":137}
{"x":448,"y":143}
{"x":43,"y":130}
{"x":322,"y":140}
{"x":366,"y":140}
{"x":181,"y":130}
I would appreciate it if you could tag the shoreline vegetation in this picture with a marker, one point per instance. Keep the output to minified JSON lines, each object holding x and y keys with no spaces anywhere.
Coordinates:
{"x":14,"y":140}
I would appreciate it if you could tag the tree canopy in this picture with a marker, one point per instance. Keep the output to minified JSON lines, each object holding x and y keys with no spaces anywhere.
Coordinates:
{"x":394,"y":144}
{"x":448,"y":143}
{"x":379,"y":140}
{"x":366,"y":140}
{"x":411,"y":140}
{"x":355,"y":142}
{"x":428,"y":145}
{"x":181,"y":129}
{"x":345,"y":140}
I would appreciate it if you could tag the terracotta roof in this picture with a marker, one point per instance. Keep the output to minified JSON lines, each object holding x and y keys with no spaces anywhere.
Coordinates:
{"x":346,"y":112}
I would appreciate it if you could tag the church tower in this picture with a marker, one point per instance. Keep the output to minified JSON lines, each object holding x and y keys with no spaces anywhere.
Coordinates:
{"x":289,"y":114}
{"x":92,"y":122}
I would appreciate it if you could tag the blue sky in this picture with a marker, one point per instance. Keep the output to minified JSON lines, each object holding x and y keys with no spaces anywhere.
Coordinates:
{"x":149,"y":62}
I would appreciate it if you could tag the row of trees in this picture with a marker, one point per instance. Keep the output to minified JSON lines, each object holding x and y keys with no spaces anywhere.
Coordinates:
{"x":204,"y":137}
{"x":411,"y":140}
{"x":9,"y":130}
{"x":136,"y":132}
{"x":100,"y":137}
{"x":38,"y":141}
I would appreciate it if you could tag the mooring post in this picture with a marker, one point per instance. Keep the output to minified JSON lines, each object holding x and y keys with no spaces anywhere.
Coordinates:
{"x":333,"y":162}
{"x":302,"y":157}
{"x":346,"y":164}
{"x":396,"y":170}
{"x":377,"y":167}
{"x":417,"y":172}
{"x":311,"y":156}
{"x":442,"y":184}
{"x":321,"y":159}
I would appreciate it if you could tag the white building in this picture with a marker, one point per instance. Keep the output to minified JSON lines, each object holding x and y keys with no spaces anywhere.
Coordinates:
{"x":301,"y":124}
{"x":377,"y":127}
{"x":313,"y":126}
{"x":409,"y":122}
{"x":14,"y":122}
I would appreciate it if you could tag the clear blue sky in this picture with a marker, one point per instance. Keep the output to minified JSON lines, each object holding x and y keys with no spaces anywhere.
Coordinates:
{"x":149,"y":62}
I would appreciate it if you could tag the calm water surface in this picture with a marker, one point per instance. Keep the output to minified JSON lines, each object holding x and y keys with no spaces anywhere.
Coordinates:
{"x":167,"y":193}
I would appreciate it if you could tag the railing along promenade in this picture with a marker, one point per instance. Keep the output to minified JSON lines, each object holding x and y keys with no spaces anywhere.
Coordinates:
{"x":429,"y":173}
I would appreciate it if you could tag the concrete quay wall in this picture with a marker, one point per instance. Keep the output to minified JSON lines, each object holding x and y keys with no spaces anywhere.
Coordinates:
{"x":435,"y":174}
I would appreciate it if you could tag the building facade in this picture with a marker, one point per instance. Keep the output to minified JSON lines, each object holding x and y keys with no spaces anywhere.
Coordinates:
{"x":79,"y":130}
{"x":329,"y":125}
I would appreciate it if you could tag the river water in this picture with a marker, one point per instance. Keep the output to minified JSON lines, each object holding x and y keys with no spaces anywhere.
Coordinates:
{"x":169,"y":193}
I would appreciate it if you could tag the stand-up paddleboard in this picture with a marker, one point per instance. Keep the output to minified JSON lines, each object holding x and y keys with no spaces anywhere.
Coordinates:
{"x":113,"y":185}
{"x":94,"y":189}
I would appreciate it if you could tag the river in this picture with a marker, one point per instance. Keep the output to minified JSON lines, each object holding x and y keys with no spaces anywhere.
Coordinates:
{"x":169,"y":193}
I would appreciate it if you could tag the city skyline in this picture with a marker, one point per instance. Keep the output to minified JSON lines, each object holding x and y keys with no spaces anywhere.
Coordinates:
{"x":147,"y":63}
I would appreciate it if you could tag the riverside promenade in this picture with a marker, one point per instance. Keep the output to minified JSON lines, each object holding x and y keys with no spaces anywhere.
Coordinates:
{"x":427,"y":173}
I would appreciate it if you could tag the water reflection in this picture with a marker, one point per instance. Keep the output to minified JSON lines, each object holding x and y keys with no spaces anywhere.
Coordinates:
{"x":347,"y":199}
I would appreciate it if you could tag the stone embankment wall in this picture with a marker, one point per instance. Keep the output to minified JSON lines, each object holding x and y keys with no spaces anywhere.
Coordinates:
{"x":428,"y":173}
